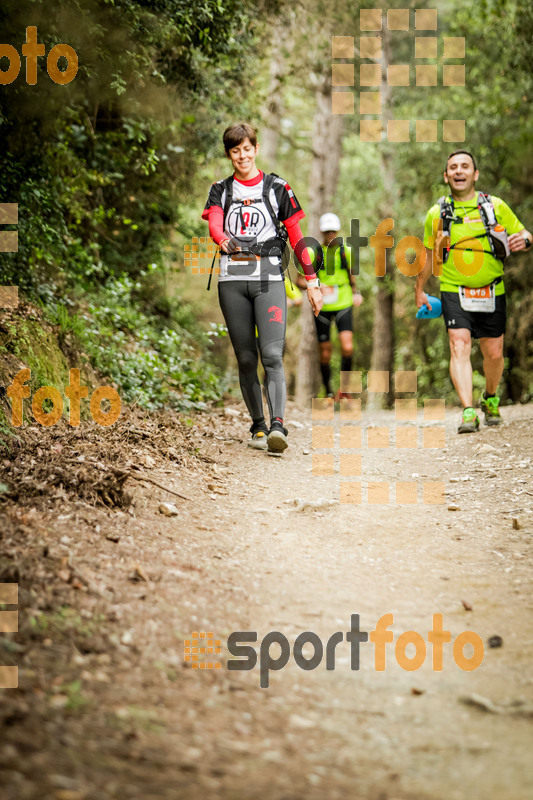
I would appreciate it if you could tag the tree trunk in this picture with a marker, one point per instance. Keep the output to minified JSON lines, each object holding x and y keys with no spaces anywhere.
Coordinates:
{"x":383,"y":325}
{"x":273,"y":111}
{"x":327,"y":151}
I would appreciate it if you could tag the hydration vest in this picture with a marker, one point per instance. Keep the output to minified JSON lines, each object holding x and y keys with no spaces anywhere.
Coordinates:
{"x":495,"y":233}
{"x":320,"y":259}
{"x":276,"y":244}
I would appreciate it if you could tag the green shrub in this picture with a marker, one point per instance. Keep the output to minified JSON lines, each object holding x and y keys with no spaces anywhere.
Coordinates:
{"x":151,"y":364}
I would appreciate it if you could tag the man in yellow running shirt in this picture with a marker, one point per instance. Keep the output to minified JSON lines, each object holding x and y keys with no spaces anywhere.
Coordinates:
{"x":471,"y":233}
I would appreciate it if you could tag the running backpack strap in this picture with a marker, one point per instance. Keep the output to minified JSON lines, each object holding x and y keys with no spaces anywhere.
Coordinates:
{"x":280,"y":239}
{"x":486,"y":213}
{"x":228,"y":188}
{"x":496,"y":233}
{"x":486,"y":210}
{"x":447,"y":215}
{"x":268,"y":183}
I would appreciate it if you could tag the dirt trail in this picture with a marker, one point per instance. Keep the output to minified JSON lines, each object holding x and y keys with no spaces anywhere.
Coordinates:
{"x":107,"y":707}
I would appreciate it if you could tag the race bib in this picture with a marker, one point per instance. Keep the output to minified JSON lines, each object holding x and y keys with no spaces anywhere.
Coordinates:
{"x":482,"y":299}
{"x":330,"y":293}
{"x":244,"y":265}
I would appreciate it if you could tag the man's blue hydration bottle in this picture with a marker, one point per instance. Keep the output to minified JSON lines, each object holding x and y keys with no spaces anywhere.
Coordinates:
{"x":436,"y":309}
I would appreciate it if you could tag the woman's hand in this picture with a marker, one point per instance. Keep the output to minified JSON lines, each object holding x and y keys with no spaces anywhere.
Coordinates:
{"x":229,"y":246}
{"x":316,"y":299}
{"x":357,"y":298}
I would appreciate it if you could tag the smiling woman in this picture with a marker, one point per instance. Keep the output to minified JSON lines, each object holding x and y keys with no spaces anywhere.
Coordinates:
{"x":246,"y":214}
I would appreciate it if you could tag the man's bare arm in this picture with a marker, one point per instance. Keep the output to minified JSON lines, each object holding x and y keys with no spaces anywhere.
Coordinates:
{"x":517,"y":241}
{"x":420,"y":295}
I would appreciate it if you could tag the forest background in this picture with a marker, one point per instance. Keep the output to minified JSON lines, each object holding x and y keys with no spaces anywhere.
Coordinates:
{"x":111,"y":172}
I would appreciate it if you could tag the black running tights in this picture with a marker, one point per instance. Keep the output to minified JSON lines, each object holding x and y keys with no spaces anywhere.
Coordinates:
{"x":247,"y":305}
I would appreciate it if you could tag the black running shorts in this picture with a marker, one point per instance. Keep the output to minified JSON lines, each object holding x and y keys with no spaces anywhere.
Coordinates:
{"x":343,"y":320}
{"x":479,"y":323}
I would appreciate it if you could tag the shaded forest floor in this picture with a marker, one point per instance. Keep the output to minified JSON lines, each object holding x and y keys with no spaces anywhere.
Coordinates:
{"x":110,"y":588}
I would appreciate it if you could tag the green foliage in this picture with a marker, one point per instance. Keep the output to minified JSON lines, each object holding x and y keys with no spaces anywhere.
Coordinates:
{"x":6,"y":434}
{"x":110,"y":171}
{"x":106,"y":170}
{"x":495,"y":102}
{"x":67,"y":322}
{"x":151,"y":364}
{"x":36,"y":346}
{"x":103,"y":162}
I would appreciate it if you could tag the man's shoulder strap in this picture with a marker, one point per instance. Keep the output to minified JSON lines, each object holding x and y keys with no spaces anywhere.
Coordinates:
{"x":445,"y":200}
{"x":447,"y":213}
{"x":486,"y":209}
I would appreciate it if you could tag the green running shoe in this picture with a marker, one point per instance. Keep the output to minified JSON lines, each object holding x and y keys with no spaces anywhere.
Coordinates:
{"x":470,"y":421}
{"x":489,"y":406}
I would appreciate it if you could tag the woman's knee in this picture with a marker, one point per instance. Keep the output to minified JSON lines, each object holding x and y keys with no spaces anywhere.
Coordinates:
{"x":247,"y":360}
{"x":272,"y":356}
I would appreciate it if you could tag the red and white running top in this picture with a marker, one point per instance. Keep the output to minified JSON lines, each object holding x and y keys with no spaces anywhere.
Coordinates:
{"x":253,"y":223}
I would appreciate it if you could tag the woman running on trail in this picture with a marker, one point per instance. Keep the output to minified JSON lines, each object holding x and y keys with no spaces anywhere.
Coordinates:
{"x":245,"y":212}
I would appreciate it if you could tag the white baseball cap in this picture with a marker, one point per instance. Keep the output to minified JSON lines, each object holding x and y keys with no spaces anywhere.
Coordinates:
{"x":329,"y":222}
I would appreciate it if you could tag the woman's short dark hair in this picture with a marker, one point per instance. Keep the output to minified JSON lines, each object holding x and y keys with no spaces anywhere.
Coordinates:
{"x":458,"y":153}
{"x":236,"y":133}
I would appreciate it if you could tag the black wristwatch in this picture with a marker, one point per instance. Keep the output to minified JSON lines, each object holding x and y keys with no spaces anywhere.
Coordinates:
{"x":527,"y":240}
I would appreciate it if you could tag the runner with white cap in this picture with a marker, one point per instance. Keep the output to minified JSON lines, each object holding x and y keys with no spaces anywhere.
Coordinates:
{"x":340,"y":292}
